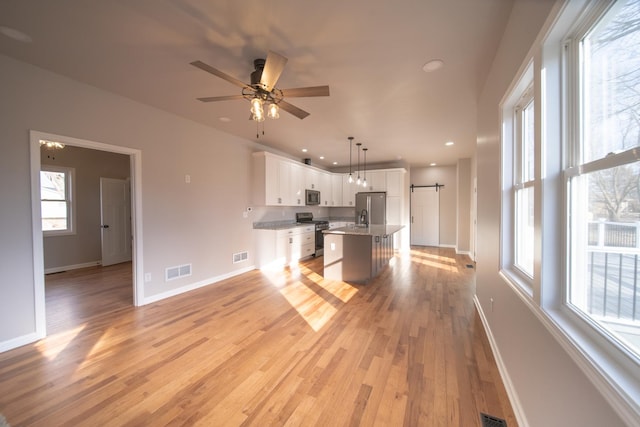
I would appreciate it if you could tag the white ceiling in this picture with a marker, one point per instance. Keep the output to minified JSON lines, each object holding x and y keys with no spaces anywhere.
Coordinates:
{"x":370,"y":53}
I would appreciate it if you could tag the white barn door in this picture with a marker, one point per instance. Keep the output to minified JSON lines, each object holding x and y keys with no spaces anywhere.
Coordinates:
{"x":425,"y":216}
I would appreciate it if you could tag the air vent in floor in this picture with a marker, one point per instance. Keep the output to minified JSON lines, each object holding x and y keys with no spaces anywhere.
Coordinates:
{"x":177,"y":272}
{"x":490,"y":421}
{"x":240,"y":256}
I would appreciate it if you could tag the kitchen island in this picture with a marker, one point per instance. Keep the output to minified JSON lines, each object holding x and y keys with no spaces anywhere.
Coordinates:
{"x":357,"y":253}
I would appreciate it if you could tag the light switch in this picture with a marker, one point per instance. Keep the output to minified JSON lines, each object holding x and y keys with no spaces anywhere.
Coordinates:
{"x":187,"y":179}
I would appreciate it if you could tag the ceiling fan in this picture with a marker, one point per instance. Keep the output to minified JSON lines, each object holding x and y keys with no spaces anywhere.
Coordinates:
{"x":262,"y":89}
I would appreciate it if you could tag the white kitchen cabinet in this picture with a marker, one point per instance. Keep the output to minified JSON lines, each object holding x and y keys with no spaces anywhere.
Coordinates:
{"x":326,"y":192}
{"x":277,"y":248}
{"x":376,"y":181}
{"x":336,"y":190}
{"x":311,"y":179}
{"x":395,"y":180}
{"x":297,"y":185}
{"x":348,"y":192}
{"x":277,"y":181}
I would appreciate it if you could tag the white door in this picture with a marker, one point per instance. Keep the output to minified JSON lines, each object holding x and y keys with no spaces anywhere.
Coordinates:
{"x":115,"y":205}
{"x":425,"y":216}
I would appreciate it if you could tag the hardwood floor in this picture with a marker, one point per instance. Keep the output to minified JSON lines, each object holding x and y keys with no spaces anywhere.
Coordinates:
{"x":263,"y":348}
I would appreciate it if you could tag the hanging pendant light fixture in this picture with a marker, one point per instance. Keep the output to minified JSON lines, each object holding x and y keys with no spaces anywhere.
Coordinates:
{"x":364,"y":181}
{"x":350,"y":144}
{"x":358,"y":181}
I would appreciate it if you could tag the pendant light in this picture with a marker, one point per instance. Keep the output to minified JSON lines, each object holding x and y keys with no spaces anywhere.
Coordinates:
{"x":364,"y":182}
{"x":358,"y":181}
{"x":350,"y":144}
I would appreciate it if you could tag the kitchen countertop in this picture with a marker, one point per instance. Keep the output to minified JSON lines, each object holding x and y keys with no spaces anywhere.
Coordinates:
{"x":371,"y":230}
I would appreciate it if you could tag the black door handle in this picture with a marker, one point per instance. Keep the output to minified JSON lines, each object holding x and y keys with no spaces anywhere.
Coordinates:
{"x":105,"y":226}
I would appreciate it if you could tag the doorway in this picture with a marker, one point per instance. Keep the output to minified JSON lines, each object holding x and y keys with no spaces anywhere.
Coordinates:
{"x":38,"y":245}
{"x":425,"y":216}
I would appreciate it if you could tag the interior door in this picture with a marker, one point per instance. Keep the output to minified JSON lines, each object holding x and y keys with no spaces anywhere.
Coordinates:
{"x":425,"y":216}
{"x":115,"y":205}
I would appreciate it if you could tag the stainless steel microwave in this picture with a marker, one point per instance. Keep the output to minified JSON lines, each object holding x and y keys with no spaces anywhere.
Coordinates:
{"x":312,"y":197}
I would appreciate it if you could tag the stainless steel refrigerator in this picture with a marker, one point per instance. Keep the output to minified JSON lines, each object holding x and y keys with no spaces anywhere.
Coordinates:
{"x":371,"y":208}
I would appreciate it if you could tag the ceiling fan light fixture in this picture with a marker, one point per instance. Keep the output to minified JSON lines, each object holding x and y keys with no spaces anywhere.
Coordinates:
{"x":273,"y":111}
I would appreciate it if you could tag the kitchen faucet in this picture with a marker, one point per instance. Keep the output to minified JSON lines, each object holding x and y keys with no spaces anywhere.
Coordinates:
{"x":364,"y":217}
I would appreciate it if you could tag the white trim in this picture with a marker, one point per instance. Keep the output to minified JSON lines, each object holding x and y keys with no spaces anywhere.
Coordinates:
{"x":196,"y":285}
{"x":135,"y":156}
{"x":447,"y":246}
{"x":502,"y":368}
{"x":71,"y":267}
{"x":19,"y":342}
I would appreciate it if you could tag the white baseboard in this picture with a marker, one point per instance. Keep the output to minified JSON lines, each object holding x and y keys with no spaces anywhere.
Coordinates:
{"x":467,"y":253}
{"x":193,"y":286}
{"x":19,"y":341}
{"x":504,"y":374}
{"x":71,"y":267}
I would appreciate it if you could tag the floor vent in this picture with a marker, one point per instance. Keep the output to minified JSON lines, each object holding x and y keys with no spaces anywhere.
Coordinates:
{"x":173,"y":273}
{"x":489,"y":421}
{"x":469,"y":265}
{"x":240,"y":256}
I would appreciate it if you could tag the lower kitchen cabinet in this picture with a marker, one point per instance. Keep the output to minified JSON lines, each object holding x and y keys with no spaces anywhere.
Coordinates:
{"x":284,"y":246}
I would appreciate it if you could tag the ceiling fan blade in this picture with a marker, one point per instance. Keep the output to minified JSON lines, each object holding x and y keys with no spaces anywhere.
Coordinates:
{"x":292,"y":109}
{"x":220,"y":98}
{"x":216,"y":72}
{"x":272,"y":69}
{"x":306,"y":91}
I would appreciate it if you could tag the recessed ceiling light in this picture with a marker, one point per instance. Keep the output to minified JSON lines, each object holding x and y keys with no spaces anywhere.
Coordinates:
{"x":321,"y":157}
{"x":433,"y":164}
{"x":304,"y":150}
{"x":14,"y":34}
{"x":433,"y":65}
{"x":225,"y":119}
{"x":448,"y":143}
{"x":335,"y":163}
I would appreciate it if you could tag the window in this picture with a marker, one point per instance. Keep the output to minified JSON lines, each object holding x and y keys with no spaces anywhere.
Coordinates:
{"x":603,"y":176}
{"x":56,"y":200}
{"x":519,"y":179}
{"x":524,"y":200}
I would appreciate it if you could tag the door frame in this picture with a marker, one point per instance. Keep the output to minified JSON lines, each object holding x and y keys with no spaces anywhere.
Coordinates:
{"x":135,"y":159}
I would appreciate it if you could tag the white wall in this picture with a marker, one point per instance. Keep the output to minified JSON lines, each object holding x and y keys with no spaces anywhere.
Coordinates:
{"x":199,"y":223}
{"x":551,"y":390}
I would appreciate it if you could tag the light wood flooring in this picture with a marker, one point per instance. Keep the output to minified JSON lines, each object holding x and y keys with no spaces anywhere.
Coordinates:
{"x":263,"y":348}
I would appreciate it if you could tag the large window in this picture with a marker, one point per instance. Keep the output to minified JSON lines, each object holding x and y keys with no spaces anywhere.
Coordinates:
{"x":56,"y":200}
{"x":603,"y":175}
{"x":519,"y":180}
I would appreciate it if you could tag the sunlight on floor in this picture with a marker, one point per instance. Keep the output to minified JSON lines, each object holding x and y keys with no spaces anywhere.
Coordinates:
{"x":313,"y":308}
{"x":53,"y":345}
{"x":442,"y":262}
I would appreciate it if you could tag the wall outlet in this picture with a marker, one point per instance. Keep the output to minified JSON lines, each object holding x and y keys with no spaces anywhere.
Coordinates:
{"x":245,"y":214}
{"x":147,"y":277}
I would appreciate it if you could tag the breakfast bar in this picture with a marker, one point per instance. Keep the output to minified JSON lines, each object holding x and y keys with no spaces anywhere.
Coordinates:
{"x":357,"y":253}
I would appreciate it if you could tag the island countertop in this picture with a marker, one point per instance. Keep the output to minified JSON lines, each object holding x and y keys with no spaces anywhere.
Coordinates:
{"x":371,"y":230}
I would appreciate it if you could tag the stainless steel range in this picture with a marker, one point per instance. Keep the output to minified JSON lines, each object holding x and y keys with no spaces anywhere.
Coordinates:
{"x":307,"y":218}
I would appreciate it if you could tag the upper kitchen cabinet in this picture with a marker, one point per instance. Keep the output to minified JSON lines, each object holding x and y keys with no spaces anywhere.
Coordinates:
{"x":277,"y":181}
{"x":326,"y":191}
{"x":336,"y":190}
{"x":297,"y":184}
{"x":312,"y":179}
{"x":376,"y":181}
{"x":348,"y":191}
{"x":395,"y":180}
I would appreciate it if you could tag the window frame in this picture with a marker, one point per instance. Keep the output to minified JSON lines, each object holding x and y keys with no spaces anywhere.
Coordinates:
{"x":70,"y":199}
{"x":512,"y":172}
